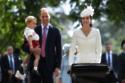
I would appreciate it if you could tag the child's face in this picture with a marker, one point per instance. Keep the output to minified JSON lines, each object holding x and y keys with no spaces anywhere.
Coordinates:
{"x":32,"y":24}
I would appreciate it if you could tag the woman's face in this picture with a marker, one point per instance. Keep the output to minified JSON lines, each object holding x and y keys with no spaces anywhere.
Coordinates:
{"x":86,"y":21}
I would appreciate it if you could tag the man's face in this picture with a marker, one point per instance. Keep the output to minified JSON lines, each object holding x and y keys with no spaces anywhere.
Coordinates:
{"x":108,"y":47}
{"x":10,"y":50}
{"x":44,"y":16}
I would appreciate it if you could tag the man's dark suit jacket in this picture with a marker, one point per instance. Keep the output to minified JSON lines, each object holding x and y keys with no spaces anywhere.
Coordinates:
{"x":121,"y":60}
{"x":114,"y":61}
{"x":114,"y":72}
{"x":5,"y":67}
{"x":53,"y":46}
{"x":52,"y":58}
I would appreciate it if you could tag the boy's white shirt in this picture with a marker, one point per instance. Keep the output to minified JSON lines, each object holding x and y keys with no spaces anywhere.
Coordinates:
{"x":30,"y":32}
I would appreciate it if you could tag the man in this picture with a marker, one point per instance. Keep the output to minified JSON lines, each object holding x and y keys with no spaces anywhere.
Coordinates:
{"x":121,"y":60}
{"x":111,"y":59}
{"x":50,"y":44}
{"x":9,"y":64}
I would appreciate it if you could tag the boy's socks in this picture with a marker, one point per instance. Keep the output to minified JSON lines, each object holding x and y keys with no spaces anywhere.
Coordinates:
{"x":35,"y":68}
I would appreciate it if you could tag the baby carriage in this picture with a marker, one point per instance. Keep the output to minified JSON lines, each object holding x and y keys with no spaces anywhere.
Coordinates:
{"x":91,"y":73}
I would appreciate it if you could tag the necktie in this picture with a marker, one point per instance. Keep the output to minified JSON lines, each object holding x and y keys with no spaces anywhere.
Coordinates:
{"x":43,"y":42}
{"x":11,"y":63}
{"x":109,"y":59}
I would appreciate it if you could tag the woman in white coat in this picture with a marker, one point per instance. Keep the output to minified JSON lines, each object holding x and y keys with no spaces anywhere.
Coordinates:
{"x":87,"y":39}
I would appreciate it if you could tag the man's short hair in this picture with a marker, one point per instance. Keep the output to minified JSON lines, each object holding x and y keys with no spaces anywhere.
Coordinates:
{"x":122,"y":43}
{"x":45,"y":10}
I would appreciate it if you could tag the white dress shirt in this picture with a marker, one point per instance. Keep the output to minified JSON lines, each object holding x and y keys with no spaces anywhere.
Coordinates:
{"x":109,"y":56}
{"x":89,"y":47}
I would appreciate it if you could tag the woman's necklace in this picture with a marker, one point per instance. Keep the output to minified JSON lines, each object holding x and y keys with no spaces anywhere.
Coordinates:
{"x":86,"y":31}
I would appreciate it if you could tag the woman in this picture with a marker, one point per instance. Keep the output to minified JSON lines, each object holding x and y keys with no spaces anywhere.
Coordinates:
{"x":87,"y":39}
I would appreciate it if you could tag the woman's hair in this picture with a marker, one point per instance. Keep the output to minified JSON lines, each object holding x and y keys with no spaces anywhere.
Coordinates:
{"x":90,"y":21}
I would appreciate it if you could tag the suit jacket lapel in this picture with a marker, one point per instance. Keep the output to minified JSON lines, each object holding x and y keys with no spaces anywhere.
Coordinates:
{"x":8,"y":61}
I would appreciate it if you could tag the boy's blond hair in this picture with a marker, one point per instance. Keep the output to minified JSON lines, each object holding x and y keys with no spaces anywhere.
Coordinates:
{"x":30,"y":19}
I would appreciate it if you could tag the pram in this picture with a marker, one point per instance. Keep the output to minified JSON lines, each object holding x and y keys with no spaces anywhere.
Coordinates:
{"x":91,"y":73}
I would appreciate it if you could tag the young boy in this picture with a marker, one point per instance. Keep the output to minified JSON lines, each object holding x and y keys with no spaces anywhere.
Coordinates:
{"x":32,"y":39}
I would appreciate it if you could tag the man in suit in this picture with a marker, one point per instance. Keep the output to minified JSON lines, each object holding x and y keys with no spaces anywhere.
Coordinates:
{"x":111,"y":59}
{"x":9,"y":64}
{"x":50,"y":44}
{"x":121,"y":60}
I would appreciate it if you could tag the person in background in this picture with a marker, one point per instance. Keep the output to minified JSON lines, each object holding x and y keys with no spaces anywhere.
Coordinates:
{"x":65,"y":77}
{"x":121,"y":62}
{"x":111,"y":59}
{"x":9,"y":65}
{"x":87,"y":39}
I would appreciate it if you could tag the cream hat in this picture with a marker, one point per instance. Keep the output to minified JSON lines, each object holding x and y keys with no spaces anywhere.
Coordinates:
{"x":89,"y":11}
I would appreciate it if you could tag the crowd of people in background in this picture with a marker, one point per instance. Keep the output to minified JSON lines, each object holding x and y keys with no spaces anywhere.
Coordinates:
{"x":49,"y":62}
{"x":115,"y":61}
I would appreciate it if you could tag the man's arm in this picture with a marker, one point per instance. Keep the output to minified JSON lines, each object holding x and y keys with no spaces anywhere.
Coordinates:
{"x":58,"y":50}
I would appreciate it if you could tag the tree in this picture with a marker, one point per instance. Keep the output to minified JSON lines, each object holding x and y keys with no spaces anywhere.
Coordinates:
{"x":13,"y":13}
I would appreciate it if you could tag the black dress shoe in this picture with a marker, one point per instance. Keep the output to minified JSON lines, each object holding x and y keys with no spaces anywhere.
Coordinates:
{"x":36,"y":72}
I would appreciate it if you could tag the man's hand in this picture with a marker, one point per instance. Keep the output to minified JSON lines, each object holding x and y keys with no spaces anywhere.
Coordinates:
{"x":10,"y":73}
{"x":57,"y":72}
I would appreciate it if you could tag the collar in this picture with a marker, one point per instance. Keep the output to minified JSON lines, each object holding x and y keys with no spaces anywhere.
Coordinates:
{"x":109,"y":52}
{"x":46,"y":26}
{"x":28,"y":28}
{"x":10,"y":55}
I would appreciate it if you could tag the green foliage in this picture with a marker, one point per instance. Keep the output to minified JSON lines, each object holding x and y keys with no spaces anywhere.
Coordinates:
{"x":13,"y":13}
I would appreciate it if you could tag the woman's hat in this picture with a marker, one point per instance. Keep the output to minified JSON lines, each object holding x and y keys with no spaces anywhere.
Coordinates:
{"x":66,"y":48}
{"x":89,"y":11}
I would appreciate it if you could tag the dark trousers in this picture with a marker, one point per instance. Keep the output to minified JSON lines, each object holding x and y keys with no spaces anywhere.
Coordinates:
{"x":11,"y":79}
{"x":46,"y":74}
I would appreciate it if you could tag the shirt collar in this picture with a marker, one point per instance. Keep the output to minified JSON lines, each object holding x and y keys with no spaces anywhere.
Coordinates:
{"x":46,"y":26}
{"x":109,"y":52}
{"x":28,"y":28}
